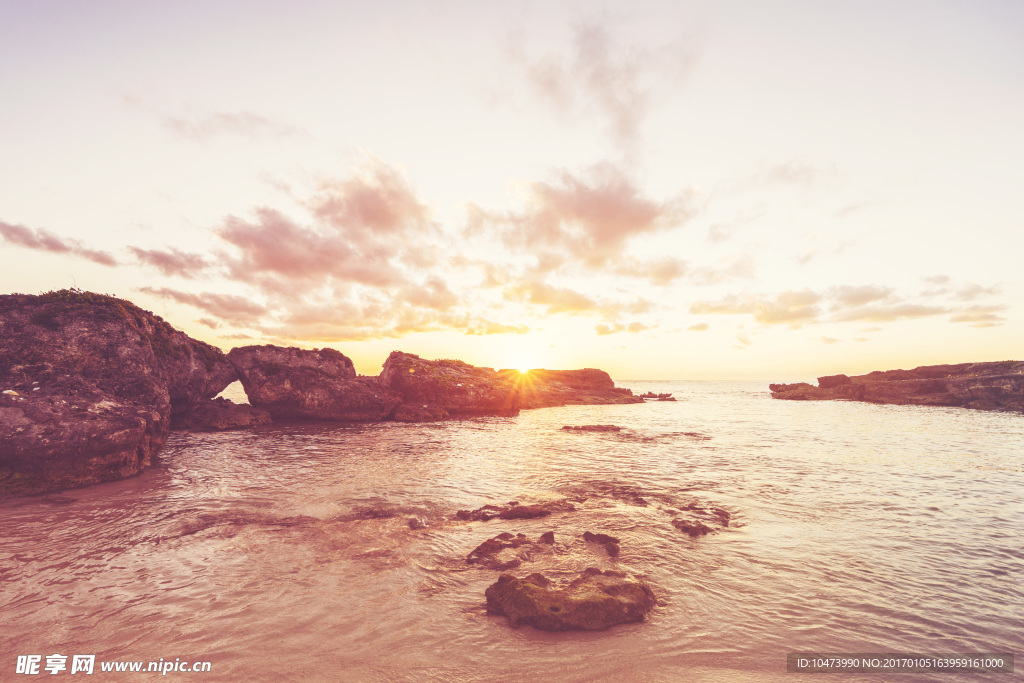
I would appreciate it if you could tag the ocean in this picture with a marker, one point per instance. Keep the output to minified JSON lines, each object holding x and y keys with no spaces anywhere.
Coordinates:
{"x":286,"y":553}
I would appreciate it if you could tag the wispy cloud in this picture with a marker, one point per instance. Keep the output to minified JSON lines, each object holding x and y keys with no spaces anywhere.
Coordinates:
{"x":980,"y":316}
{"x":43,"y":240}
{"x":850,"y":303}
{"x":633,"y":327}
{"x":236,"y":310}
{"x":484,"y":327}
{"x":601,"y":77}
{"x":171,"y":261}
{"x":241,"y":123}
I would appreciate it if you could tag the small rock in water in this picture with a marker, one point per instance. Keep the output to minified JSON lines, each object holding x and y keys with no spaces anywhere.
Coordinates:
{"x":599,"y":538}
{"x":594,"y":601}
{"x":417,"y":523}
{"x":692,"y":527}
{"x":612,"y":548}
{"x":547,"y":537}
{"x":592,"y":428}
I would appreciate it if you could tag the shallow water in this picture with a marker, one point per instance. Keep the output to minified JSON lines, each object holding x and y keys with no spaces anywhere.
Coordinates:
{"x":855,"y":528}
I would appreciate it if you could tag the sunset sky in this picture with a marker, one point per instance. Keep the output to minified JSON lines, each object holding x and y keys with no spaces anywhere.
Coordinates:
{"x":679,"y":190}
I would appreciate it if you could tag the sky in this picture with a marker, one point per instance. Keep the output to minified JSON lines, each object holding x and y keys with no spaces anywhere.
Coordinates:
{"x":762,"y":189}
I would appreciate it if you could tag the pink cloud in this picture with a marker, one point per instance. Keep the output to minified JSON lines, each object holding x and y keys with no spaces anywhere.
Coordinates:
{"x":369,"y":229}
{"x":588,"y":218}
{"x":42,"y":240}
{"x":171,"y":261}
{"x":237,"y":310}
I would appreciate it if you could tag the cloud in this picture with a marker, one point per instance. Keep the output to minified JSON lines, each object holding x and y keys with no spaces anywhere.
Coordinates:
{"x":42,"y":240}
{"x":243,"y":123}
{"x":792,"y":308}
{"x":729,"y":305}
{"x":742,"y":267}
{"x":600,"y":77}
{"x":171,"y":261}
{"x":980,"y":316}
{"x":699,"y":327}
{"x":588,"y":217}
{"x":487,"y":327}
{"x":634,"y":327}
{"x":367,"y":229}
{"x":557,"y":299}
{"x":848,"y":295}
{"x":849,"y":303}
{"x":793,"y":173}
{"x":350,"y":321}
{"x":971,"y":291}
{"x":829,"y":340}
{"x":237,"y":310}
{"x":889,"y":313}
{"x":661,"y":271}
{"x":433,"y":294}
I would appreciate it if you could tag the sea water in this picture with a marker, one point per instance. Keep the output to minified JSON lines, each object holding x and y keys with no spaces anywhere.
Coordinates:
{"x":286,"y":553}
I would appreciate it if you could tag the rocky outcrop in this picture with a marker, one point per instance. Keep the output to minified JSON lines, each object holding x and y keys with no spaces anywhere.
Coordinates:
{"x":448,"y":387}
{"x":220,"y":414}
{"x":546,"y":388}
{"x":88,"y":385}
{"x":984,"y":386}
{"x":318,"y":384}
{"x":596,"y":600}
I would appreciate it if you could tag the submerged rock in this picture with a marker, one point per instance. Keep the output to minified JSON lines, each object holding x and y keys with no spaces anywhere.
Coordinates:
{"x":692,"y":527}
{"x":492,"y":553}
{"x":90,"y":384}
{"x":984,"y":386}
{"x":514,"y":510}
{"x":220,"y":414}
{"x":443,"y":388}
{"x":318,"y":384}
{"x":592,"y":428}
{"x":594,"y":601}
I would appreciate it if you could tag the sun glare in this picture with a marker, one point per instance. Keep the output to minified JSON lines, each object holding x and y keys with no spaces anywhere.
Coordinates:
{"x":523,"y":365}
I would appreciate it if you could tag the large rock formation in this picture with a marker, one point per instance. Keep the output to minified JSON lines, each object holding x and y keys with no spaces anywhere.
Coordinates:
{"x":985,"y":386}
{"x":594,"y":601}
{"x":88,"y":384}
{"x":545,"y":388}
{"x":321,"y":384}
{"x":441,"y":388}
{"x":218,"y":415}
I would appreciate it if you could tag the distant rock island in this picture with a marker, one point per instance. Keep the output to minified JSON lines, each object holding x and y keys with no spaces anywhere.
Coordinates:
{"x":91,"y":386}
{"x":983,"y":386}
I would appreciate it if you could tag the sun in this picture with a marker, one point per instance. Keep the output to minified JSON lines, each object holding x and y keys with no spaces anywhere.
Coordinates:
{"x":523,"y":364}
